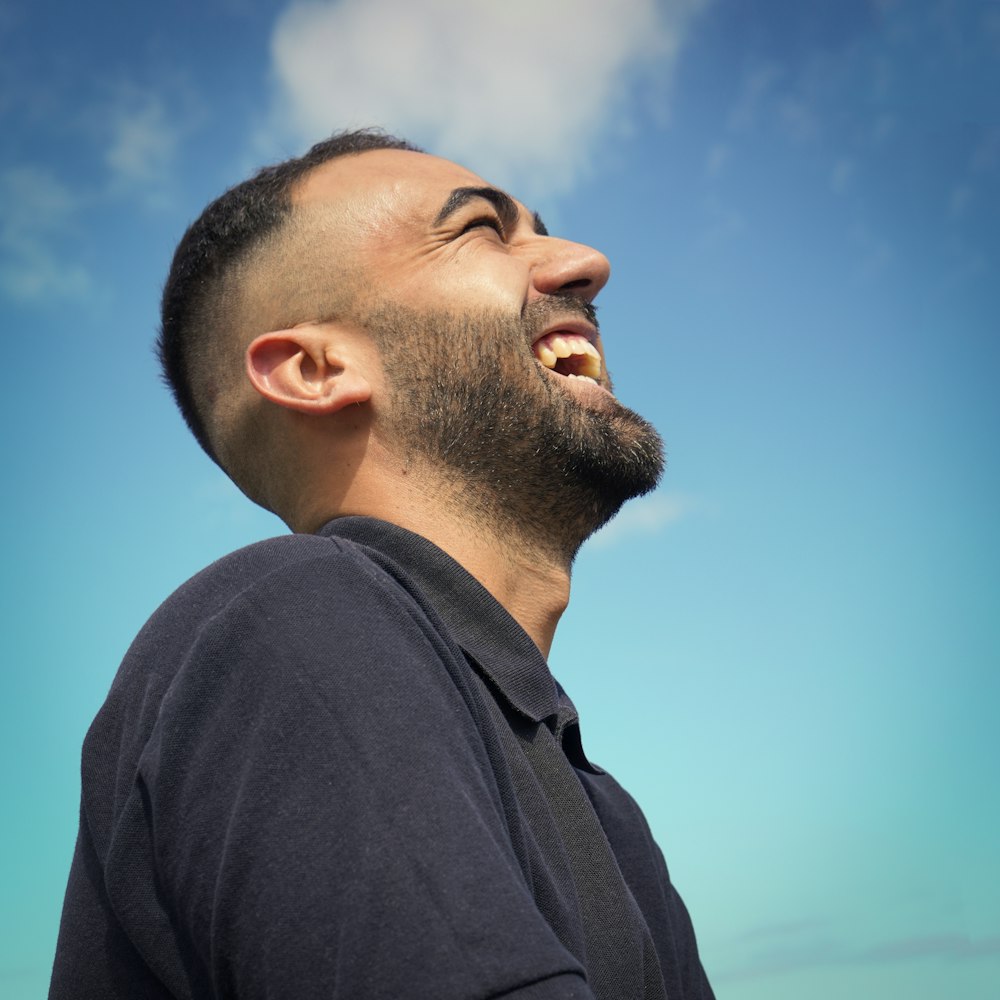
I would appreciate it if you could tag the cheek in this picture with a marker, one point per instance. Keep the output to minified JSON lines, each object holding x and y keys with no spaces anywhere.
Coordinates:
{"x":457,"y":284}
{"x":492,"y":289}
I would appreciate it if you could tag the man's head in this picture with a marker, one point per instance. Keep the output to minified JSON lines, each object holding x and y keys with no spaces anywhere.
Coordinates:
{"x":398,"y":270}
{"x":223,"y":251}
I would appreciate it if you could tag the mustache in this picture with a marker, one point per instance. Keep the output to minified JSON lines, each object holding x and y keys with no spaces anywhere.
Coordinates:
{"x":538,"y":313}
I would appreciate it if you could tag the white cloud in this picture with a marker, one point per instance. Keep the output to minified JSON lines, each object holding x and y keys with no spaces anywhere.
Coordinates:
{"x":643,"y":517}
{"x":36,"y":211}
{"x":518,"y":91}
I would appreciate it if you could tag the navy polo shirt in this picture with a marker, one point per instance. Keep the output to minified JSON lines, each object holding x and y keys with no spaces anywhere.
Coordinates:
{"x":333,"y":765}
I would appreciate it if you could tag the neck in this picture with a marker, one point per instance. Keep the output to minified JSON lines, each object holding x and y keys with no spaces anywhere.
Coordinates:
{"x":531,"y":585}
{"x":529,"y":578}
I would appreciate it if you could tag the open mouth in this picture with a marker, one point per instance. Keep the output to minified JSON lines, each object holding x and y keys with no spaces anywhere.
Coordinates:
{"x":569,"y":354}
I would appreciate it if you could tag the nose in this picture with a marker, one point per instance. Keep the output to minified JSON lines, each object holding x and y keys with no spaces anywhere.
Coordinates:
{"x":567,"y":268}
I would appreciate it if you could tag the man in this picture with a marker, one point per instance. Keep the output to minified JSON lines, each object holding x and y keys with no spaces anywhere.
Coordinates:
{"x":335,"y":764}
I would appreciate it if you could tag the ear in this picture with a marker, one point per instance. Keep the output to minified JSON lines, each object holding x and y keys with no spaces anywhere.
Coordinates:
{"x":302,"y":369}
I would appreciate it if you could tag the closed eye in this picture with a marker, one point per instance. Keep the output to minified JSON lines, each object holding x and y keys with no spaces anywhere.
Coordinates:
{"x":490,"y":221}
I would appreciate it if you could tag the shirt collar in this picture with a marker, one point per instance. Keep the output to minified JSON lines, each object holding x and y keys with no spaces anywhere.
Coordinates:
{"x":476,"y":619}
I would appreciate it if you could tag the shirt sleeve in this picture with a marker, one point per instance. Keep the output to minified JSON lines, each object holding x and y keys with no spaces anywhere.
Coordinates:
{"x":316,"y":815}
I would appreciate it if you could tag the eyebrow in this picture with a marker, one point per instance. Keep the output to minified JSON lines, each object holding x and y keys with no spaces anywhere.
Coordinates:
{"x":505,"y":206}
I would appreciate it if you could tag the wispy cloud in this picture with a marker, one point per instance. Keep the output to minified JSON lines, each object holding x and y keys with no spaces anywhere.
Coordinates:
{"x":811,"y":943}
{"x":143,"y":141}
{"x":723,"y":224}
{"x":519,"y":91}
{"x":842,"y":174}
{"x":875,"y":253}
{"x":790,"y":928}
{"x":643,"y":517}
{"x":758,"y":87}
{"x":959,"y":200}
{"x":37,"y":210}
{"x":141,"y":130}
{"x":986,"y":157}
{"x":932,"y":946}
{"x":718,"y":157}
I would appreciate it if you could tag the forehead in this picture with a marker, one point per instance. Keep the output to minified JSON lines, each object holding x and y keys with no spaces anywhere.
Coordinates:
{"x":383,"y":183}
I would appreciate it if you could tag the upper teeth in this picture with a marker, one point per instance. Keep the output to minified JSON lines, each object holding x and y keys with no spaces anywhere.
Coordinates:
{"x":562,"y":344}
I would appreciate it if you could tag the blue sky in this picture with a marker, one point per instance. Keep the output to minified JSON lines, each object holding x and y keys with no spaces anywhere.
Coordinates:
{"x":790,"y":652}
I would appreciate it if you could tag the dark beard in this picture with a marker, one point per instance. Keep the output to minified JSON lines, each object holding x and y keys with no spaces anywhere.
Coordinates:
{"x":525,"y":456}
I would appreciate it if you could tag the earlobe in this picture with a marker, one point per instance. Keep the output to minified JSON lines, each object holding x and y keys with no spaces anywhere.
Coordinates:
{"x":301,"y":370}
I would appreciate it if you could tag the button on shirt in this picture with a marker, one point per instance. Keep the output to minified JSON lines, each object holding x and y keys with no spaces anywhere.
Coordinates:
{"x":335,"y":766}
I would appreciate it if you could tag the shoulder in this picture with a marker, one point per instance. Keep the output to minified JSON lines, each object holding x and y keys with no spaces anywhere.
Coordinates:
{"x":284,"y":599}
{"x":284,"y":623}
{"x":295,"y":627}
{"x":286,"y":557}
{"x":281,"y":571}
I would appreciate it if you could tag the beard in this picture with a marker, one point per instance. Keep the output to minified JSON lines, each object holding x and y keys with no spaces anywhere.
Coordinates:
{"x":521,"y":454}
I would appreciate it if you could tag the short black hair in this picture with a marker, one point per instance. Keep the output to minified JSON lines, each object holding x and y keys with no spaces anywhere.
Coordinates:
{"x":225,"y":232}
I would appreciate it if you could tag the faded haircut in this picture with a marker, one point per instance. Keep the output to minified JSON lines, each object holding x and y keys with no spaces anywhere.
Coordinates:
{"x":207,"y":262}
